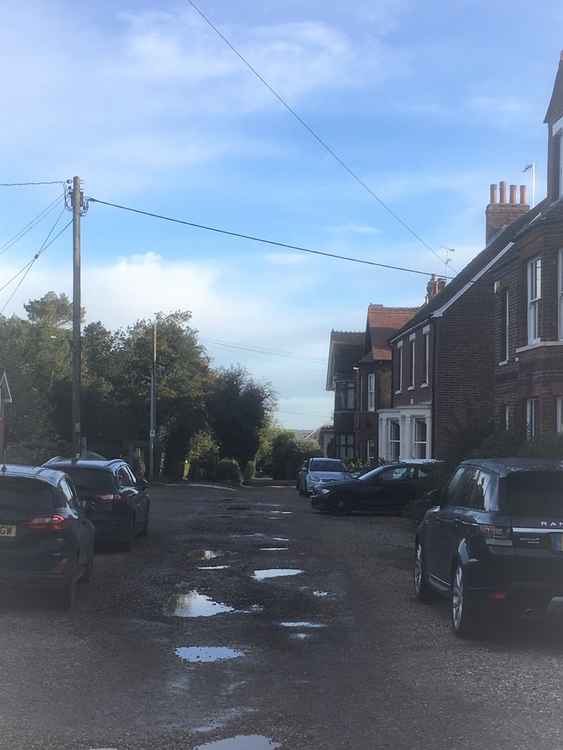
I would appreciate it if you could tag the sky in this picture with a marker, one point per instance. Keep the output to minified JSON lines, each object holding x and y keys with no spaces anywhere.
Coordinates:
{"x":427,"y":102}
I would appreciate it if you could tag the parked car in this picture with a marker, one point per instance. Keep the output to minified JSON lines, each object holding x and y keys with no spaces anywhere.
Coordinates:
{"x":319,"y":471}
{"x":385,"y":489}
{"x":45,"y":537}
{"x":116,"y":502}
{"x":494,"y":542}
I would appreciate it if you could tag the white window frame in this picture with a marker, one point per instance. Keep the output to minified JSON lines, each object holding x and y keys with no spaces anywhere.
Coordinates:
{"x":505,"y":355}
{"x":559,"y":414}
{"x":371,"y":449}
{"x":412,"y":355}
{"x":534,"y":274}
{"x":417,"y":443}
{"x":560,"y":293}
{"x":531,"y":418}
{"x":371,"y":391}
{"x":394,"y":442}
{"x":400,"y":354}
{"x":426,"y":335}
{"x":507,"y":417}
{"x":345,"y":445}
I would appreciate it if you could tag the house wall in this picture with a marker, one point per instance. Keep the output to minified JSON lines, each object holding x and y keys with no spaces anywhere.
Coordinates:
{"x":464,"y":373}
{"x":421,"y":393}
{"x":535,"y":372}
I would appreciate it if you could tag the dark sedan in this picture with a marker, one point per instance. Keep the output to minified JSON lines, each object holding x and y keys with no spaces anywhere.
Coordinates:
{"x":116,"y":501}
{"x":386,"y":489}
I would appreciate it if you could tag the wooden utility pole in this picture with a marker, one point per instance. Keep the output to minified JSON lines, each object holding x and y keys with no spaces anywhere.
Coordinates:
{"x":76,"y":318}
{"x":152,"y":433}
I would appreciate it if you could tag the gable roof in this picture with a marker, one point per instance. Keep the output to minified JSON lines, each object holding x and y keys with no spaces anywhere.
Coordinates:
{"x":346,"y":349}
{"x":480,"y":263}
{"x":382,"y":323}
{"x":555,"y":106}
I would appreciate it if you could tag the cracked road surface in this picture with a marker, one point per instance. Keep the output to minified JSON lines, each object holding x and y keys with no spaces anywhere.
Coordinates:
{"x":245,"y":621}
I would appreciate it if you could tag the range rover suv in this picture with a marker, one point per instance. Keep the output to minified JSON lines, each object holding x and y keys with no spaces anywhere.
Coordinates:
{"x":494,"y":540}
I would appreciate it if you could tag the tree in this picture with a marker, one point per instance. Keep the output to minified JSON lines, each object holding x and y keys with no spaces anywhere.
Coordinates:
{"x":288,"y":454}
{"x":238,"y":409}
{"x":52,"y":309}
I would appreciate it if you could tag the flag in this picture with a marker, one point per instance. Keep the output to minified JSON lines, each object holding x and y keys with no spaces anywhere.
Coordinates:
{"x":528,"y":167}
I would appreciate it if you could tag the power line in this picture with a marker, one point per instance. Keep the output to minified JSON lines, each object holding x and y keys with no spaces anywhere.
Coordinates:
{"x":259,"y":350}
{"x":29,"y":226}
{"x":262,"y":240}
{"x":27,"y":268}
{"x":28,"y":184}
{"x":313,"y":133}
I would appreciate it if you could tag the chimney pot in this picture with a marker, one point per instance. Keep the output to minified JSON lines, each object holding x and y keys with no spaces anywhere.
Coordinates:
{"x":513,"y":195}
{"x":502,"y":186}
{"x":493,"y":197}
{"x":523,"y":196}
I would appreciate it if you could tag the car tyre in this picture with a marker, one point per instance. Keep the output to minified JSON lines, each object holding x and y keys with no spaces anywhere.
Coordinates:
{"x":68,"y":595}
{"x":462,"y":611}
{"x":422,"y":588}
{"x":145,"y":529}
{"x":86,"y":576}
{"x":127,"y":542}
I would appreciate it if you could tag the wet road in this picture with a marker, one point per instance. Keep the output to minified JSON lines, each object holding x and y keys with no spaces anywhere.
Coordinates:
{"x":247,"y":622}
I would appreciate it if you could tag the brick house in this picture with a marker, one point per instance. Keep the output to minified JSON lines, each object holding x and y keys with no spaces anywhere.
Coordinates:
{"x":373,"y":376}
{"x":528,"y":309}
{"x":443,"y":359}
{"x":359,"y":373}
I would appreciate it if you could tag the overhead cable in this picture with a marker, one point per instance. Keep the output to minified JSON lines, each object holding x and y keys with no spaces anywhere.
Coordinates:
{"x":29,"y":226}
{"x":329,"y":149}
{"x":262,"y":240}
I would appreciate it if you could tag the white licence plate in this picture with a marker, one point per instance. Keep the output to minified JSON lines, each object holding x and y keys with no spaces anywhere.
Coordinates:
{"x":7,"y":531}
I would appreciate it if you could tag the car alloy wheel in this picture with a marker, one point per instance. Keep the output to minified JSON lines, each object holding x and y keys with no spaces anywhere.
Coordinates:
{"x":421,"y":587}
{"x":457,"y":599}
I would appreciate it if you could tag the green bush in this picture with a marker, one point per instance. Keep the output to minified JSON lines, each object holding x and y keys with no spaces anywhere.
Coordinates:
{"x":288,"y":455}
{"x":203,"y":457}
{"x":228,"y":470}
{"x":249,"y":471}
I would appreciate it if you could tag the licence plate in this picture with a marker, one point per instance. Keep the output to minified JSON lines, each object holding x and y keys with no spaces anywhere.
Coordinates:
{"x":7,"y":531}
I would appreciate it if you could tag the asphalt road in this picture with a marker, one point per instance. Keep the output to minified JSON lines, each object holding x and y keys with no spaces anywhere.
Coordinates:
{"x":338,"y":655}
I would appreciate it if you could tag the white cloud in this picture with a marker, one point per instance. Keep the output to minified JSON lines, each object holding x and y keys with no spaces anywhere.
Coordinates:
{"x":286,"y":259}
{"x":354,"y":229}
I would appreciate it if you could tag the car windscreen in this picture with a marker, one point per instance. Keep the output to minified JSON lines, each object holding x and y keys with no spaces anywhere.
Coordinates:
{"x":369,"y":475}
{"x":90,"y":480}
{"x":533,"y":493}
{"x":327,"y":466}
{"x":21,"y":498}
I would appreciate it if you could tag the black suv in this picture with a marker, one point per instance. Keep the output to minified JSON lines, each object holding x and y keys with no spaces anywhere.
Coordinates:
{"x":494,"y":541}
{"x":386,"y":489}
{"x":116,"y":502}
{"x":45,"y":538}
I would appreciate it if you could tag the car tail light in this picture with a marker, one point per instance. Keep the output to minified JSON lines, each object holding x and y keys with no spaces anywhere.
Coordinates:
{"x":55,"y":522}
{"x":496,"y":536}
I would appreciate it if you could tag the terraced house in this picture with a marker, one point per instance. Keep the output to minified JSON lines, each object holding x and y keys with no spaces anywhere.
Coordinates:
{"x":488,"y":346}
{"x":359,"y":373}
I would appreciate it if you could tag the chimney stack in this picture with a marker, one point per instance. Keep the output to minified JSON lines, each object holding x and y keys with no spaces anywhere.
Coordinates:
{"x":499,"y":214}
{"x":434,"y":287}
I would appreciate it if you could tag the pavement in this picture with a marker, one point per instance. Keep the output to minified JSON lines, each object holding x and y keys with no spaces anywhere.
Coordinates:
{"x":195,"y":640}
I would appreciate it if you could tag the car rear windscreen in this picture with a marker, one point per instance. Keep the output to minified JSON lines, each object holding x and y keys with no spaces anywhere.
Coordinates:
{"x":90,"y":480}
{"x":533,"y":493}
{"x":327,"y":466}
{"x":21,"y":498}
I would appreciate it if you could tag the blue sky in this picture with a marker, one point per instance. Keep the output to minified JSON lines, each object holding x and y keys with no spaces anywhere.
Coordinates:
{"x":428,"y":102}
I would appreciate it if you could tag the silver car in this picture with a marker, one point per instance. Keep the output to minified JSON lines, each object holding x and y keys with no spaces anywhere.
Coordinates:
{"x":318,"y":471}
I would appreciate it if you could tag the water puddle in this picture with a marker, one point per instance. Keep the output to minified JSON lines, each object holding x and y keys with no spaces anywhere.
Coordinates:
{"x":206,"y":554}
{"x":241,"y":742}
{"x":300,"y":636}
{"x":322,"y":594}
{"x":273,"y":549}
{"x":213,"y":567}
{"x":281,"y":512}
{"x":280,"y":539}
{"x":207,"y":654}
{"x":262,"y":575}
{"x":308,"y":625}
{"x":194,"y":604}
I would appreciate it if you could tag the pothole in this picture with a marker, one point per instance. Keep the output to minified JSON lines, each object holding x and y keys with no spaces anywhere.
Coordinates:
{"x":213,"y":567}
{"x":302,"y":625}
{"x":262,"y":575}
{"x":241,"y":742}
{"x":206,"y":554}
{"x":207,"y":654}
{"x":194,"y":604}
{"x":274,"y":549}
